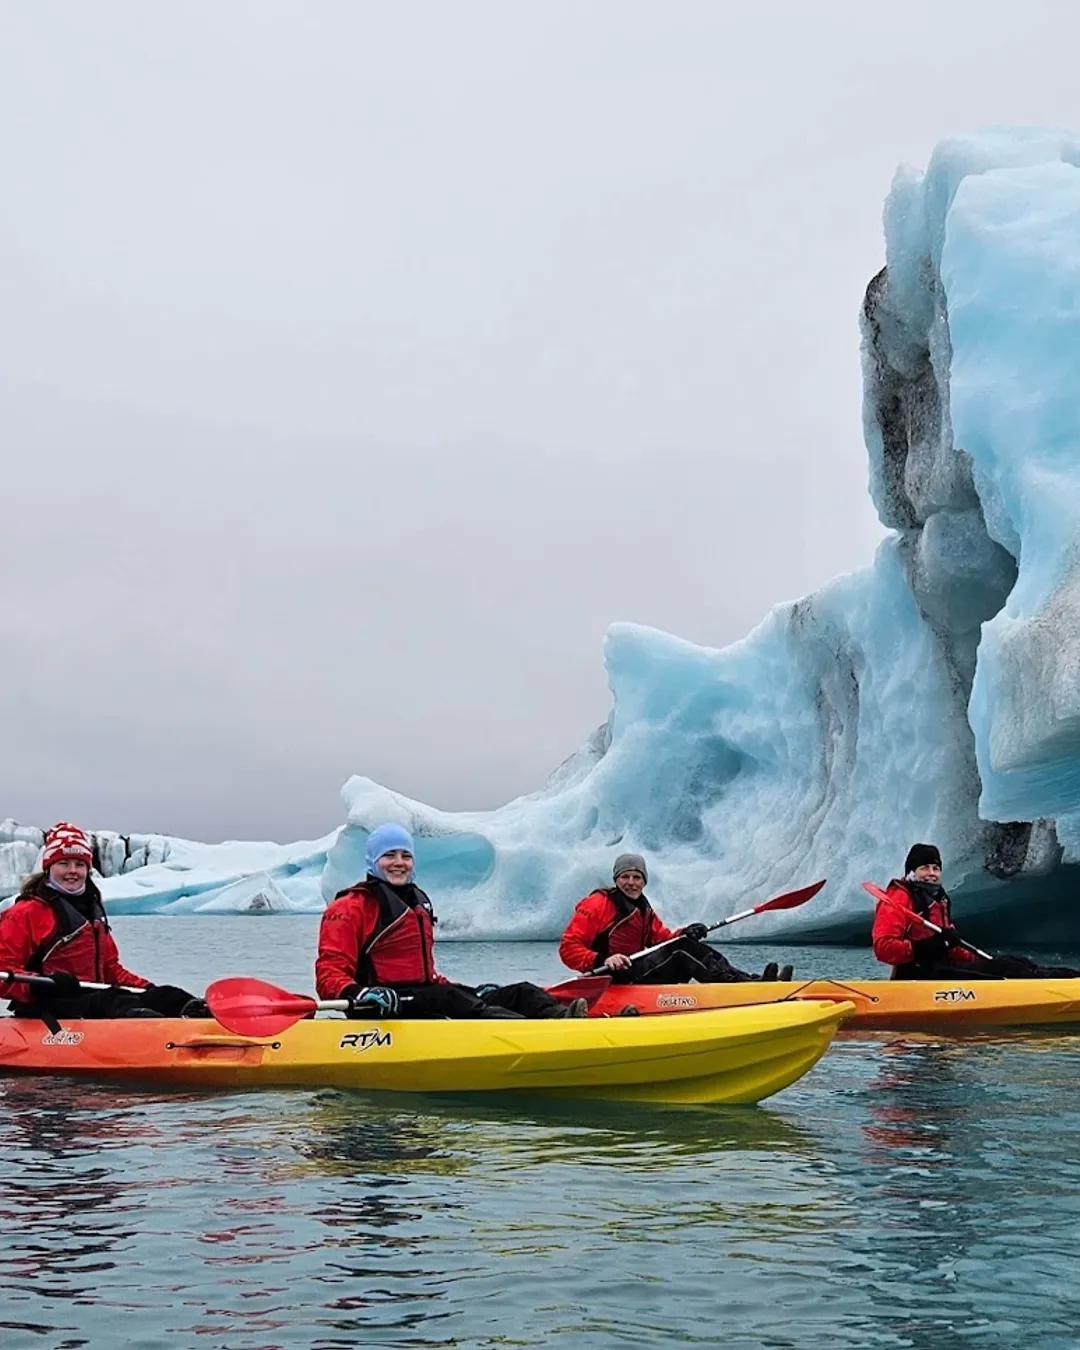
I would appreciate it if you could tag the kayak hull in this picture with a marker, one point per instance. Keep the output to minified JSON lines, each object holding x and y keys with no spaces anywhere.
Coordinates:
{"x":732,"y":1056}
{"x":880,"y":1005}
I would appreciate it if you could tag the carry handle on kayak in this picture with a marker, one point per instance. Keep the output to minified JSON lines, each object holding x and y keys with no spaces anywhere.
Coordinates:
{"x":789,"y":900}
{"x":885,"y":898}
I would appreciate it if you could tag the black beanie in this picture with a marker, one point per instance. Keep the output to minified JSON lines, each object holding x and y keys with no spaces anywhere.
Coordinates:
{"x":919,"y":855}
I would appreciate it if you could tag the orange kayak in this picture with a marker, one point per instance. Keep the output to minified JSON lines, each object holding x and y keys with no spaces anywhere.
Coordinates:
{"x":880,"y":1005}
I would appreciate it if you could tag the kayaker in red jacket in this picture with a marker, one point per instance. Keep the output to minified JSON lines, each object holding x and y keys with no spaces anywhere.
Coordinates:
{"x":377,"y":949}
{"x":610,"y":925}
{"x":57,"y":927}
{"x":916,"y":952}
{"x":913,"y":950}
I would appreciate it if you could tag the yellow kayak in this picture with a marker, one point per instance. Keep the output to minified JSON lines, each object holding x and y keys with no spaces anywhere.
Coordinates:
{"x":943,"y":1006}
{"x":731,"y":1056}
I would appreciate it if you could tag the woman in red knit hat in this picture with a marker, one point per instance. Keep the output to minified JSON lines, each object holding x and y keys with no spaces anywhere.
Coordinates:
{"x":57,"y":927}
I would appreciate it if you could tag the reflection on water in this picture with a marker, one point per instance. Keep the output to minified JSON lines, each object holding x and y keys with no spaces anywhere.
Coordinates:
{"x":62,"y":1211}
{"x":350,"y":1132}
{"x":969,"y":1145}
{"x":909,"y":1192}
{"x":329,"y":1214}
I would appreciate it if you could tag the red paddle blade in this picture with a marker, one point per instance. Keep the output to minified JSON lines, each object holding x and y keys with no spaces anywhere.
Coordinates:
{"x":249,"y":1007}
{"x":588,"y":987}
{"x":876,"y":891}
{"x":791,"y":899}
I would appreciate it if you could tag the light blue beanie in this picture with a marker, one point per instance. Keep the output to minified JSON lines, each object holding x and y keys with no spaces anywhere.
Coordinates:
{"x":384,"y":839}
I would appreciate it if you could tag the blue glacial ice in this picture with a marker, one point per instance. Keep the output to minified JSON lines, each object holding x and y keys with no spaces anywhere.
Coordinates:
{"x":154,"y":874}
{"x":933,"y":695}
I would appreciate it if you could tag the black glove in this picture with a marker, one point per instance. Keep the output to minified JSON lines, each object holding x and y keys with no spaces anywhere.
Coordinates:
{"x":950,"y":936}
{"x":196,"y":1007}
{"x":64,"y":985}
{"x":929,"y":951}
{"x":375,"y":1001}
{"x":167,"y":999}
{"x":696,"y":932}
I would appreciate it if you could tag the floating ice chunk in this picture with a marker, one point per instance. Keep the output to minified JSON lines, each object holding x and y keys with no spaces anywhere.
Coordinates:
{"x":258,"y":894}
{"x":21,"y":845}
{"x":18,"y":858}
{"x":198,"y":873}
{"x":12,"y":832}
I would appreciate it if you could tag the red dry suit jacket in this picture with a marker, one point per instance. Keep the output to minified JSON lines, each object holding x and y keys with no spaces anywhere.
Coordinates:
{"x":893,"y":932}
{"x":374,"y":933}
{"x":46,"y":931}
{"x":607,"y":923}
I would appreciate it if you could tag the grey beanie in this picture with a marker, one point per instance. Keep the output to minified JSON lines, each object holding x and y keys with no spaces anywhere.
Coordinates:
{"x":629,"y":862}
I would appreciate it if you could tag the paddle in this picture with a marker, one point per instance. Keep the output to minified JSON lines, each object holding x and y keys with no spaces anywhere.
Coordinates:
{"x":17,"y":977}
{"x":789,"y":900}
{"x":254,"y":1008}
{"x":44,"y":982}
{"x":887,"y":899}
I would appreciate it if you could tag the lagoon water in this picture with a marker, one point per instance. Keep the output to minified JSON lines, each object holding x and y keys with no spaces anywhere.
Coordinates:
{"x":909,"y":1192}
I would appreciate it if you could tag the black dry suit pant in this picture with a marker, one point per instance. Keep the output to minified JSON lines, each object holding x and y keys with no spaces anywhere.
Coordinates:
{"x":996,"y":968}
{"x":679,"y":962}
{"x":462,"y":1001}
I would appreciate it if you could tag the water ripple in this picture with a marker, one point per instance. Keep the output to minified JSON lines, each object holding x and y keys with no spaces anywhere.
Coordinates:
{"x":911,"y":1192}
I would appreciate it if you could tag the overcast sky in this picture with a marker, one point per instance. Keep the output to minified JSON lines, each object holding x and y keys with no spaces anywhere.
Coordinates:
{"x":359,"y":363}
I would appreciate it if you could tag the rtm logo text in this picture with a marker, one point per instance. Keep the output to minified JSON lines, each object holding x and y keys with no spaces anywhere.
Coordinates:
{"x":953,"y":995}
{"x":366,"y":1040}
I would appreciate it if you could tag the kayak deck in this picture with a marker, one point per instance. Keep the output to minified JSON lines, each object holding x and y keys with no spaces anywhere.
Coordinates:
{"x":880,"y":1005}
{"x":734,"y":1055}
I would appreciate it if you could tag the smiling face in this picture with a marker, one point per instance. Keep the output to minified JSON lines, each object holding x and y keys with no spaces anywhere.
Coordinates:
{"x":69,"y":874}
{"x":396,"y":866}
{"x":631,"y":883}
{"x":928,"y":872}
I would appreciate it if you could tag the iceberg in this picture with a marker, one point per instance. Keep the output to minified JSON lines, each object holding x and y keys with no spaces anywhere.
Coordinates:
{"x":933,"y":695}
{"x":157,"y":874}
{"x":230,"y":878}
{"x":21,"y":845}
{"x":258,"y":894}
{"x":20,"y":848}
